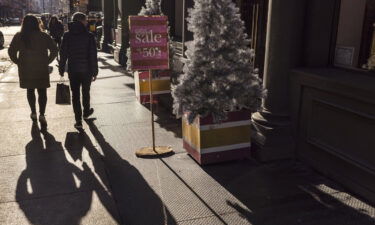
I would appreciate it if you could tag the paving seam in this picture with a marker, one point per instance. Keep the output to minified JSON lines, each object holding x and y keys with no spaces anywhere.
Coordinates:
{"x":56,"y":195}
{"x":112,"y":103}
{"x":211,"y":216}
{"x":108,"y":77}
{"x":5,"y":156}
{"x":161,"y":190}
{"x":215,"y":214}
{"x":23,"y":120}
{"x":122,"y":124}
{"x":109,"y":187}
{"x":40,"y":153}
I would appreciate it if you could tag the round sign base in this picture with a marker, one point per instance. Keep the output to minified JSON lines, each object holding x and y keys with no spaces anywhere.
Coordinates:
{"x":159,"y":151}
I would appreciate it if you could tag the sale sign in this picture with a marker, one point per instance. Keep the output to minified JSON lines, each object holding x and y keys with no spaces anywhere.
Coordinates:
{"x":149,"y":42}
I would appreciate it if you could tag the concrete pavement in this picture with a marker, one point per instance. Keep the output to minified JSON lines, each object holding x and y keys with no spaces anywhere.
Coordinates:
{"x":64,"y":177}
{"x":5,"y":62}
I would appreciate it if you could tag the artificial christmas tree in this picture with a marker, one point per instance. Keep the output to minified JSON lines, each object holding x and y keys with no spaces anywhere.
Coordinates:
{"x":218,"y":81}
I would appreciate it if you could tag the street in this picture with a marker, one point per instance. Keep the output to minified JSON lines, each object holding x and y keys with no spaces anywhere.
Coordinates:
{"x":8,"y":32}
{"x":68,"y":178}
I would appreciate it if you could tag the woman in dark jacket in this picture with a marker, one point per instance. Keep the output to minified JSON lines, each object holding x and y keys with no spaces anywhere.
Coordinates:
{"x":56,"y":29}
{"x":33,"y":50}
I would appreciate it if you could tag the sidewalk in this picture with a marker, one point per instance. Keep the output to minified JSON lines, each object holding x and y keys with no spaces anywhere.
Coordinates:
{"x":69,"y":178}
{"x":5,"y":62}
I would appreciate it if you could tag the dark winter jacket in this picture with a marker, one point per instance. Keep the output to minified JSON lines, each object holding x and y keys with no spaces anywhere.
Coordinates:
{"x":33,"y":62}
{"x":78,"y":48}
{"x":56,"y":30}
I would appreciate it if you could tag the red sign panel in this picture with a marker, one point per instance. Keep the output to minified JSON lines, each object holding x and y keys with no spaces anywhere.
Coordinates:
{"x":149,"y":42}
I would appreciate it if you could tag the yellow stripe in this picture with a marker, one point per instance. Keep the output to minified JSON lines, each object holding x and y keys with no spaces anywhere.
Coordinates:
{"x":214,"y":137}
{"x":157,"y":85}
{"x":225,"y":136}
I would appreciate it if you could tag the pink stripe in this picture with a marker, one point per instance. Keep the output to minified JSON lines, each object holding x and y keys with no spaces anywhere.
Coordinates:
{"x":160,"y":67}
{"x":135,"y":44}
{"x":140,"y":56}
{"x":156,"y":29}
{"x":145,"y":18}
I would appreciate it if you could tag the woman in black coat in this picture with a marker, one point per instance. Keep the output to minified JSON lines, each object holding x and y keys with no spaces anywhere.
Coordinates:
{"x":33,"y":50}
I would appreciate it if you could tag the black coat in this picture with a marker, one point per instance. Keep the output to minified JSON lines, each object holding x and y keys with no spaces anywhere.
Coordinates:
{"x":78,"y":48}
{"x":56,"y":30}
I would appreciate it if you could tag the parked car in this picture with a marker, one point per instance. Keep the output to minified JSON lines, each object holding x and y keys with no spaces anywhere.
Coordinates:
{"x":95,"y":14}
{"x":14,"y":21}
{"x":4,"y":22}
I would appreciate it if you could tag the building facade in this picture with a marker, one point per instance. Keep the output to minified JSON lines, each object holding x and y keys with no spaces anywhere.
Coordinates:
{"x":320,"y":106}
{"x":54,"y":7}
{"x":317,"y":60}
{"x":18,"y":8}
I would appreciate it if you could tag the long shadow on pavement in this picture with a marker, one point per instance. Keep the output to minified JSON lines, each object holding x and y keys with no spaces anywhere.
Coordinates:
{"x":136,"y":200}
{"x":114,"y":68}
{"x":287,"y":193}
{"x":166,"y":119}
{"x":47,"y":190}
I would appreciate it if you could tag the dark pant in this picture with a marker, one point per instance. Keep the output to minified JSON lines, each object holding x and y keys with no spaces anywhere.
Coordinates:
{"x":78,"y":80}
{"x":42,"y":100}
{"x":58,"y":43}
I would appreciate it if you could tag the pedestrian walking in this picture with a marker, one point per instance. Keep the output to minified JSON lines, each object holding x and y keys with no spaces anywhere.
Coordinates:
{"x":56,"y":30}
{"x":33,"y":50}
{"x":78,"y":48}
{"x":44,"y":23}
{"x":1,"y":40}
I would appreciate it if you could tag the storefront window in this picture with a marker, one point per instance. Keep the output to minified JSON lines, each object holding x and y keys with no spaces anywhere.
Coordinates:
{"x":355,"y":44}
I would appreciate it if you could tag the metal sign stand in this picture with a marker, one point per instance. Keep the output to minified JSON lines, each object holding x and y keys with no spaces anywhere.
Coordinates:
{"x":154,"y":150}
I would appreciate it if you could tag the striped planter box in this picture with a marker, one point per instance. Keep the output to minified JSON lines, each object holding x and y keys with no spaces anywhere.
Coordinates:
{"x":161,"y":85}
{"x":208,"y":142}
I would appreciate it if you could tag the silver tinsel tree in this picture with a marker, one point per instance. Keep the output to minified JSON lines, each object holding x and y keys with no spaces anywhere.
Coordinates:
{"x":218,"y":74}
{"x":153,"y":7}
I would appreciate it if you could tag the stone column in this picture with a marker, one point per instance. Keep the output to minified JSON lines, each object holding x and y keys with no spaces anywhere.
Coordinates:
{"x":129,"y":8}
{"x":272,"y":129}
{"x":109,"y":13}
{"x":94,"y":5}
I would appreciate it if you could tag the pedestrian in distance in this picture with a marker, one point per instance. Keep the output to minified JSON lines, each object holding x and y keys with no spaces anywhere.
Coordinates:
{"x":1,"y":40}
{"x":44,"y":23}
{"x":33,"y":50}
{"x":56,"y":29}
{"x":78,"y":48}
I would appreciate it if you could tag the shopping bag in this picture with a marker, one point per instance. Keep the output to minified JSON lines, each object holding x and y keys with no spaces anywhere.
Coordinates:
{"x":62,"y":93}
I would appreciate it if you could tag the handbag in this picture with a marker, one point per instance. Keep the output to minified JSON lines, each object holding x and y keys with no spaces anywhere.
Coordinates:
{"x":62,"y":93}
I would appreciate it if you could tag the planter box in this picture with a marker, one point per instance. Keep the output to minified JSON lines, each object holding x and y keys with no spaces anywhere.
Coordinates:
{"x":161,"y":85}
{"x":208,"y":142}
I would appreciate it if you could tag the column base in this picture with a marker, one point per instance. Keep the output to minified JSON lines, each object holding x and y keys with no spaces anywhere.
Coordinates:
{"x":271,"y":137}
{"x":119,"y":55}
{"x":106,"y":47}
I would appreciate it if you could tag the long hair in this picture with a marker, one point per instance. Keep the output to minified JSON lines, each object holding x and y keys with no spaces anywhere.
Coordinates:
{"x":30,"y":25}
{"x":54,"y":20}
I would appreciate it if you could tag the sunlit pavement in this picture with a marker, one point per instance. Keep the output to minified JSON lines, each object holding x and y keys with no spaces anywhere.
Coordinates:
{"x":66,"y":177}
{"x":5,"y":62}
{"x":9,"y":32}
